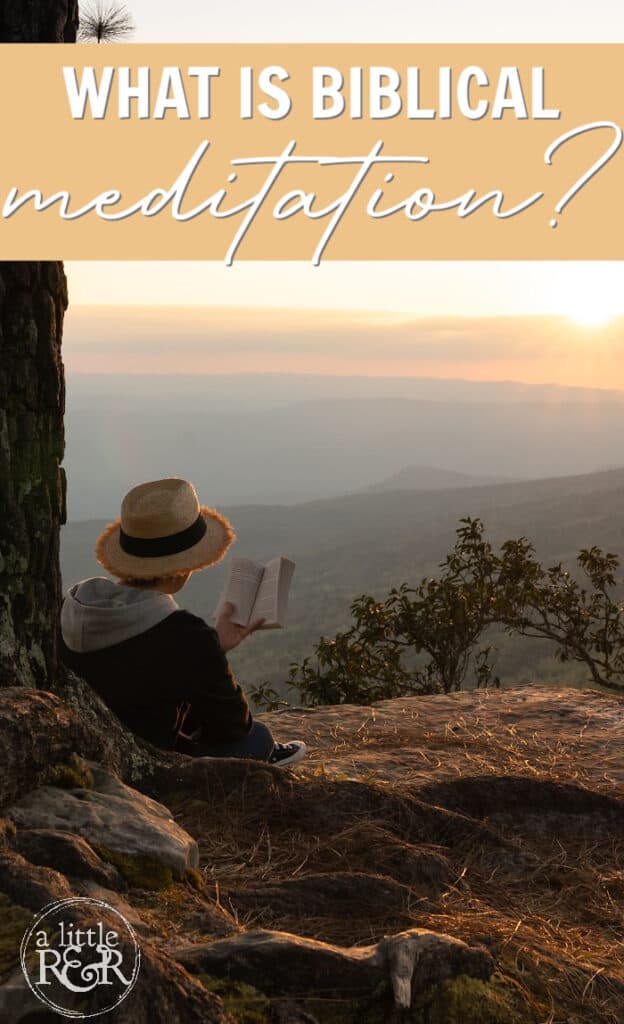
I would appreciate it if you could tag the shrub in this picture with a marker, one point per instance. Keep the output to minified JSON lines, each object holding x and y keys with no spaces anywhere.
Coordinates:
{"x":431,"y":638}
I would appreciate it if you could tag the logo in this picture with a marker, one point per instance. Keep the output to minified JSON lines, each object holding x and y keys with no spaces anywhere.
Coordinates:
{"x":78,"y":961}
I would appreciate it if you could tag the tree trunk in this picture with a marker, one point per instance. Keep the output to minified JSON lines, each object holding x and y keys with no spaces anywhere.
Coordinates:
{"x":33,"y":299}
{"x":38,"y":21}
{"x":40,"y":730}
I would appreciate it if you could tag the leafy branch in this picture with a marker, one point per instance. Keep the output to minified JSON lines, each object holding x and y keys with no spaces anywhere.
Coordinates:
{"x":429,"y":638}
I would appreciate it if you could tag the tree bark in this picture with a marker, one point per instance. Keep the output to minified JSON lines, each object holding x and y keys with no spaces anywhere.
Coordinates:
{"x":40,"y":730}
{"x":33,"y":299}
{"x":38,"y":21}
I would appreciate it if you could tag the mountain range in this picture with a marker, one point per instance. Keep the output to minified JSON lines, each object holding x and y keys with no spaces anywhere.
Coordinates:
{"x":368,"y":542}
{"x":282,"y":440}
{"x":430,"y":478}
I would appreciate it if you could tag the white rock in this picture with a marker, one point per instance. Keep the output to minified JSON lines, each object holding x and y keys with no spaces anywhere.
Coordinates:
{"x":111,"y":815}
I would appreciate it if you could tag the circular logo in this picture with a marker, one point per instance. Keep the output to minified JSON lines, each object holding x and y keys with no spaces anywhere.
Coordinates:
{"x":80,"y":961}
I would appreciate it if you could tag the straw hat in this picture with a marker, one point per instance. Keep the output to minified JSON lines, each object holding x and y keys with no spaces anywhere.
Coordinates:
{"x":163,"y":531}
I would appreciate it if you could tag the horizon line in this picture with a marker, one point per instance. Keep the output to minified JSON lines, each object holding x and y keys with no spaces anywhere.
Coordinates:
{"x":334,"y":311}
{"x":341,"y":376}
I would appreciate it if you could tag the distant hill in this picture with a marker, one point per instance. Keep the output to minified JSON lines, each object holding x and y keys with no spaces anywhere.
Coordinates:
{"x":430,"y":478}
{"x":367,"y":543}
{"x":264,"y":390}
{"x":250,"y":440}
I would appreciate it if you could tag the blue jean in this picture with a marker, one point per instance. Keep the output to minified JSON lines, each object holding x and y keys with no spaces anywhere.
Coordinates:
{"x":257,"y":745}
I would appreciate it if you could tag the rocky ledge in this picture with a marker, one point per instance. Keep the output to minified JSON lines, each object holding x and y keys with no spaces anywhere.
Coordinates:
{"x":436,"y":860}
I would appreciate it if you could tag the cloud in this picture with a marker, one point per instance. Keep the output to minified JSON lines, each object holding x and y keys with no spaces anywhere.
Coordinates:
{"x":217,"y":339}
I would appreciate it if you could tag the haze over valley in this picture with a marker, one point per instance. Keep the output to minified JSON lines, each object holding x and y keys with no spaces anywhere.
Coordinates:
{"x":287,"y":438}
{"x":361,"y":481}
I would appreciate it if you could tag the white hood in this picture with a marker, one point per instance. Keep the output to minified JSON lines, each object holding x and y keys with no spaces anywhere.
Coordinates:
{"x":99,"y":613}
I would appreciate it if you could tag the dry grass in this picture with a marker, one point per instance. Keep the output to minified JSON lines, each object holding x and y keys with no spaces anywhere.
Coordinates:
{"x":538,"y":878}
{"x":466,"y":748}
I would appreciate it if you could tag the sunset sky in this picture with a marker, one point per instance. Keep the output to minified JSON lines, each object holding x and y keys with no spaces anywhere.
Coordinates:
{"x":451,"y":21}
{"x":585,"y":347}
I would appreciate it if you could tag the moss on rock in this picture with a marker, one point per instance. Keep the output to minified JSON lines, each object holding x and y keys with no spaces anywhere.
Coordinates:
{"x":460,"y":1000}
{"x":140,"y":872}
{"x":73,"y":774}
{"x":194,"y":878}
{"x":246,"y":1004}
{"x":465,"y":1000}
{"x":14,"y":920}
{"x":350,"y":1011}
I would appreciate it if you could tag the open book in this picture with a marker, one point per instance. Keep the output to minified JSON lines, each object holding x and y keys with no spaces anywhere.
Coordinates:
{"x":258,"y":591}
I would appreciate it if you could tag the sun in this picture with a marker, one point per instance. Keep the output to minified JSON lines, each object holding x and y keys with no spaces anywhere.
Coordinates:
{"x":588,"y":294}
{"x":592,"y":311}
{"x":591,"y":318}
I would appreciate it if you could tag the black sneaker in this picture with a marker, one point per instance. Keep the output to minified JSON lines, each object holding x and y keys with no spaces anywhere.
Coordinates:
{"x":287,"y":753}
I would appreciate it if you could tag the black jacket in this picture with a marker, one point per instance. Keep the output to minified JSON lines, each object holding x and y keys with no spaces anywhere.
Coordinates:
{"x":173,"y":677}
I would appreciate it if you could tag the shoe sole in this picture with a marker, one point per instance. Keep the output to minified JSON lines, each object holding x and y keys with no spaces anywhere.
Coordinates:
{"x":293,"y":759}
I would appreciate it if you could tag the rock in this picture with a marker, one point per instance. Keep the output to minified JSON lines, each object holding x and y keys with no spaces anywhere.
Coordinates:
{"x":68,"y":853}
{"x":463,"y":815}
{"x":294,"y":900}
{"x":367,"y":847}
{"x":485,"y":796}
{"x":164,"y":992}
{"x":212,"y":920}
{"x":315,"y":803}
{"x":419,"y":740}
{"x":283,"y":964}
{"x":98,"y":892}
{"x":123,"y":826}
{"x":39,"y":731}
{"x":218,"y":779}
{"x":17,"y":1002}
{"x":421,"y":868}
{"x":30,"y":885}
{"x":285,"y":1011}
{"x":14,"y":920}
{"x":7,"y":833}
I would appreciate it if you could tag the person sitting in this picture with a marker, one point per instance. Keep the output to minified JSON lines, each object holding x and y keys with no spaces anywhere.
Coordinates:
{"x":163,"y":671}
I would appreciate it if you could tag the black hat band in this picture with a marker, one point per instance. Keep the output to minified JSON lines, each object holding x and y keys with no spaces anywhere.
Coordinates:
{"x":156,"y":547}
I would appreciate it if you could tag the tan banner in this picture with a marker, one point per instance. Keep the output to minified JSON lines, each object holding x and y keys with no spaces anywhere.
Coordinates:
{"x":311,"y":152}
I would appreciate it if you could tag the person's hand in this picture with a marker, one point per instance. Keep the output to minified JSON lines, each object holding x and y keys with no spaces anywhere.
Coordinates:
{"x":229,"y":633}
